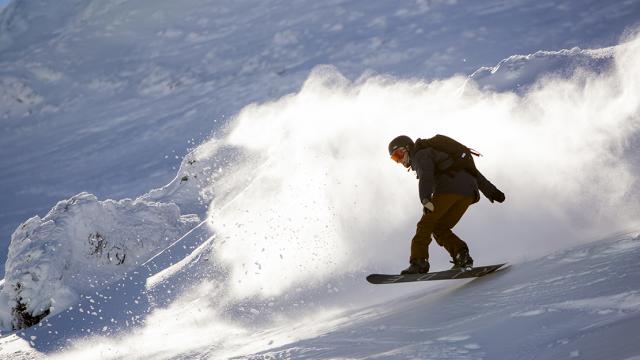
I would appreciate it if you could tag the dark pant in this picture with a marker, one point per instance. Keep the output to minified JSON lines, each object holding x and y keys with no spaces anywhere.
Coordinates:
{"x":448,"y":209}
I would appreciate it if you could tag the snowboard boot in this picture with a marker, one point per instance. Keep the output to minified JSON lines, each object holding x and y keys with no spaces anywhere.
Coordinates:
{"x":462,"y":260}
{"x":417,"y":266}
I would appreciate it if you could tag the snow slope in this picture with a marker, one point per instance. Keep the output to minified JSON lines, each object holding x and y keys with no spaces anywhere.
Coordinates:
{"x":284,"y":184}
{"x":579,"y":303}
{"x":219,"y":279}
{"x":582,"y":303}
{"x":112,"y":94}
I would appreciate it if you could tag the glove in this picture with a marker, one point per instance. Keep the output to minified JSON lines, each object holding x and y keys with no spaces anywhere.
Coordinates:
{"x":497,"y":195}
{"x":427,"y":207}
{"x":489,"y":190}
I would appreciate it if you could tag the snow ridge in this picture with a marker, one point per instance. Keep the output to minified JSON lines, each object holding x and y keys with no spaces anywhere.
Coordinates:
{"x":518,"y":72}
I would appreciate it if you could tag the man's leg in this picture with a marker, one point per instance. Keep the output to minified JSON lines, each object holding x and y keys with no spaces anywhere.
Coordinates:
{"x":442,"y":229}
{"x":427,"y":225}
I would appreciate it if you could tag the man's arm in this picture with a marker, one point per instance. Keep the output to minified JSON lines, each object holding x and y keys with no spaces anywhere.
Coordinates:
{"x":424,"y":166}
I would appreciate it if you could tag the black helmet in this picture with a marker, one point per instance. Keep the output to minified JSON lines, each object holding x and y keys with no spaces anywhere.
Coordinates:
{"x":401,"y":141}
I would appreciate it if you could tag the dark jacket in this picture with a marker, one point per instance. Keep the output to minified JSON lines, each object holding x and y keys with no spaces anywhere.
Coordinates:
{"x":427,"y":162}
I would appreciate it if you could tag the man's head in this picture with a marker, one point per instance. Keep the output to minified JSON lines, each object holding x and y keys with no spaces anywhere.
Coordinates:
{"x":400,"y":148}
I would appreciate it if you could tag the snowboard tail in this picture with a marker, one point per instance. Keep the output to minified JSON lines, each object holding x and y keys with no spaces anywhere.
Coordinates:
{"x":438,"y":275}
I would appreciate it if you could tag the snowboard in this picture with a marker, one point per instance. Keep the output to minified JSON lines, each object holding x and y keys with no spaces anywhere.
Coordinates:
{"x":438,"y":275}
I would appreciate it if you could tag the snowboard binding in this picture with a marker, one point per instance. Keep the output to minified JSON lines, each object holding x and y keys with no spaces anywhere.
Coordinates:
{"x":462,"y":261}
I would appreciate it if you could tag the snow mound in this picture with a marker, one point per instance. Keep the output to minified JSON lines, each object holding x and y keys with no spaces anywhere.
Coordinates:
{"x":81,"y":244}
{"x":519,"y":72}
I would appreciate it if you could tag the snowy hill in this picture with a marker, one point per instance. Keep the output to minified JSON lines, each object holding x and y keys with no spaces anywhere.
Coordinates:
{"x":108,"y":96}
{"x":581,"y":303}
{"x":259,"y":245}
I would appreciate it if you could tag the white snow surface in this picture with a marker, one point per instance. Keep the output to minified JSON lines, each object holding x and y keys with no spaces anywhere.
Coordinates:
{"x":299,"y":198}
{"x":107,"y":96}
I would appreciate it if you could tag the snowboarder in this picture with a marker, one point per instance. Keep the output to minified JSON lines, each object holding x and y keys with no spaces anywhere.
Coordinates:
{"x":448,"y":185}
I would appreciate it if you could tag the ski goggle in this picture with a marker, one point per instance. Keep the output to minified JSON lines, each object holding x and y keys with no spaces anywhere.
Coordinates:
{"x":398,"y":154}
